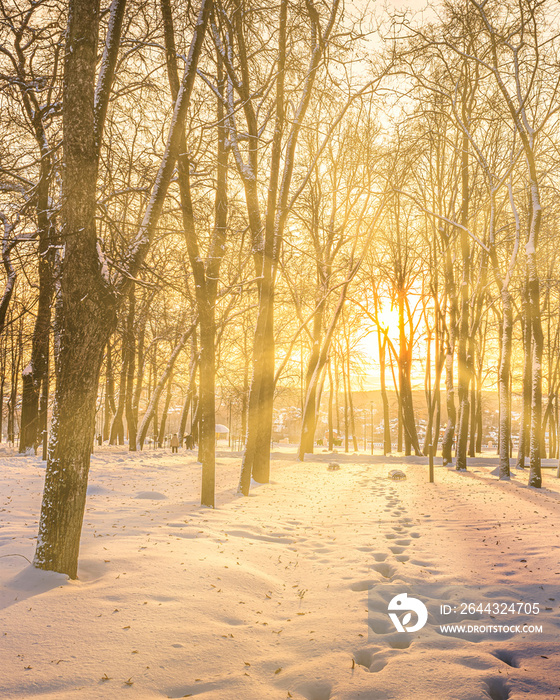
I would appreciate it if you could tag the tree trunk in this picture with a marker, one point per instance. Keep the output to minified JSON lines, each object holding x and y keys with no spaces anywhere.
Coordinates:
{"x":463,"y":361}
{"x":399,"y":421}
{"x":345,"y":390}
{"x":351,"y":416}
{"x":504,"y":383}
{"x":86,"y":313}
{"x":261,"y":460}
{"x":479,"y":408}
{"x":2,"y":382}
{"x":137,"y":393}
{"x":309,"y":418}
{"x":205,"y":277}
{"x":163,"y":419}
{"x":387,"y":447}
{"x":35,"y":385}
{"x":109,"y":410}
{"x":525,"y":418}
{"x":29,"y":412}
{"x":151,"y":409}
{"x":16,"y":355}
{"x":188,"y":404}
{"x":266,"y":250}
{"x":447,"y":441}
{"x":405,"y":387}
{"x":434,"y":418}
{"x":131,"y":418}
{"x":259,"y":429}
{"x":245,"y":402}
{"x":116,"y":436}
{"x":330,"y":408}
{"x":86,"y":309}
{"x":536,"y":438}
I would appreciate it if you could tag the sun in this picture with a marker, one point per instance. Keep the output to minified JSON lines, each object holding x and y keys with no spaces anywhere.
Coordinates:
{"x":388,"y":319}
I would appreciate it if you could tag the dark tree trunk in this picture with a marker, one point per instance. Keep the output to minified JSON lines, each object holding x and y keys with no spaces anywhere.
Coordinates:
{"x":2,"y":382}
{"x":463,"y":359}
{"x":472,"y":421}
{"x":188,"y":405}
{"x":428,"y":392}
{"x":387,"y":447}
{"x":116,"y":436}
{"x":405,"y":387}
{"x":164,"y":413}
{"x":195,"y":412}
{"x":29,"y":412}
{"x":434,"y":418}
{"x":131,"y":418}
{"x":525,"y":418}
{"x":16,"y":355}
{"x":504,"y":383}
{"x":244,"y":405}
{"x":86,"y":308}
{"x":536,"y":437}
{"x":336,"y":399}
{"x":266,"y":249}
{"x":261,"y":457}
{"x":256,"y":460}
{"x":399,"y":422}
{"x":109,"y":409}
{"x":346,"y":426}
{"x":449,"y":434}
{"x":351,"y":417}
{"x":137,"y":393}
{"x":205,"y":276}
{"x":36,"y":385}
{"x":479,"y":408}
{"x":330,"y":408}
{"x":309,"y":417}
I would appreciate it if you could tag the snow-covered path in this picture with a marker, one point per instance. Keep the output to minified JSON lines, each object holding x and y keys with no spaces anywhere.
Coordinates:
{"x":282,"y":594}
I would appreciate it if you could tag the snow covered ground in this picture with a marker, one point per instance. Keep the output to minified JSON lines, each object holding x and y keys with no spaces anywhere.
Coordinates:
{"x":285,"y":593}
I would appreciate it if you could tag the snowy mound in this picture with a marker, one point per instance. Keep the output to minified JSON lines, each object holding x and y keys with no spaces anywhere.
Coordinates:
{"x":151,"y":495}
{"x":32,"y":580}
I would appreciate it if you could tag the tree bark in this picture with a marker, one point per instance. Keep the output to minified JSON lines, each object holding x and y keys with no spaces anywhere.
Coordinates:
{"x":387,"y":447}
{"x":205,"y":276}
{"x":87,"y":309}
{"x":463,"y":359}
{"x":128,"y":339}
{"x":87,"y":305}
{"x":36,"y":385}
{"x":447,"y":441}
{"x":309,"y":418}
{"x":525,"y":418}
{"x":163,"y":418}
{"x":504,"y":383}
{"x":405,"y":388}
{"x":109,"y":408}
{"x":116,"y":436}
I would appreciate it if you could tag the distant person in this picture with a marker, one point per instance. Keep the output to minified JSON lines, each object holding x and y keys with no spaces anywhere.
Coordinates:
{"x":189,"y":442}
{"x":174,"y":443}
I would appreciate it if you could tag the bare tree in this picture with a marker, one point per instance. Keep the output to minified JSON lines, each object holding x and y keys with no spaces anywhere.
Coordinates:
{"x":89,"y":295}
